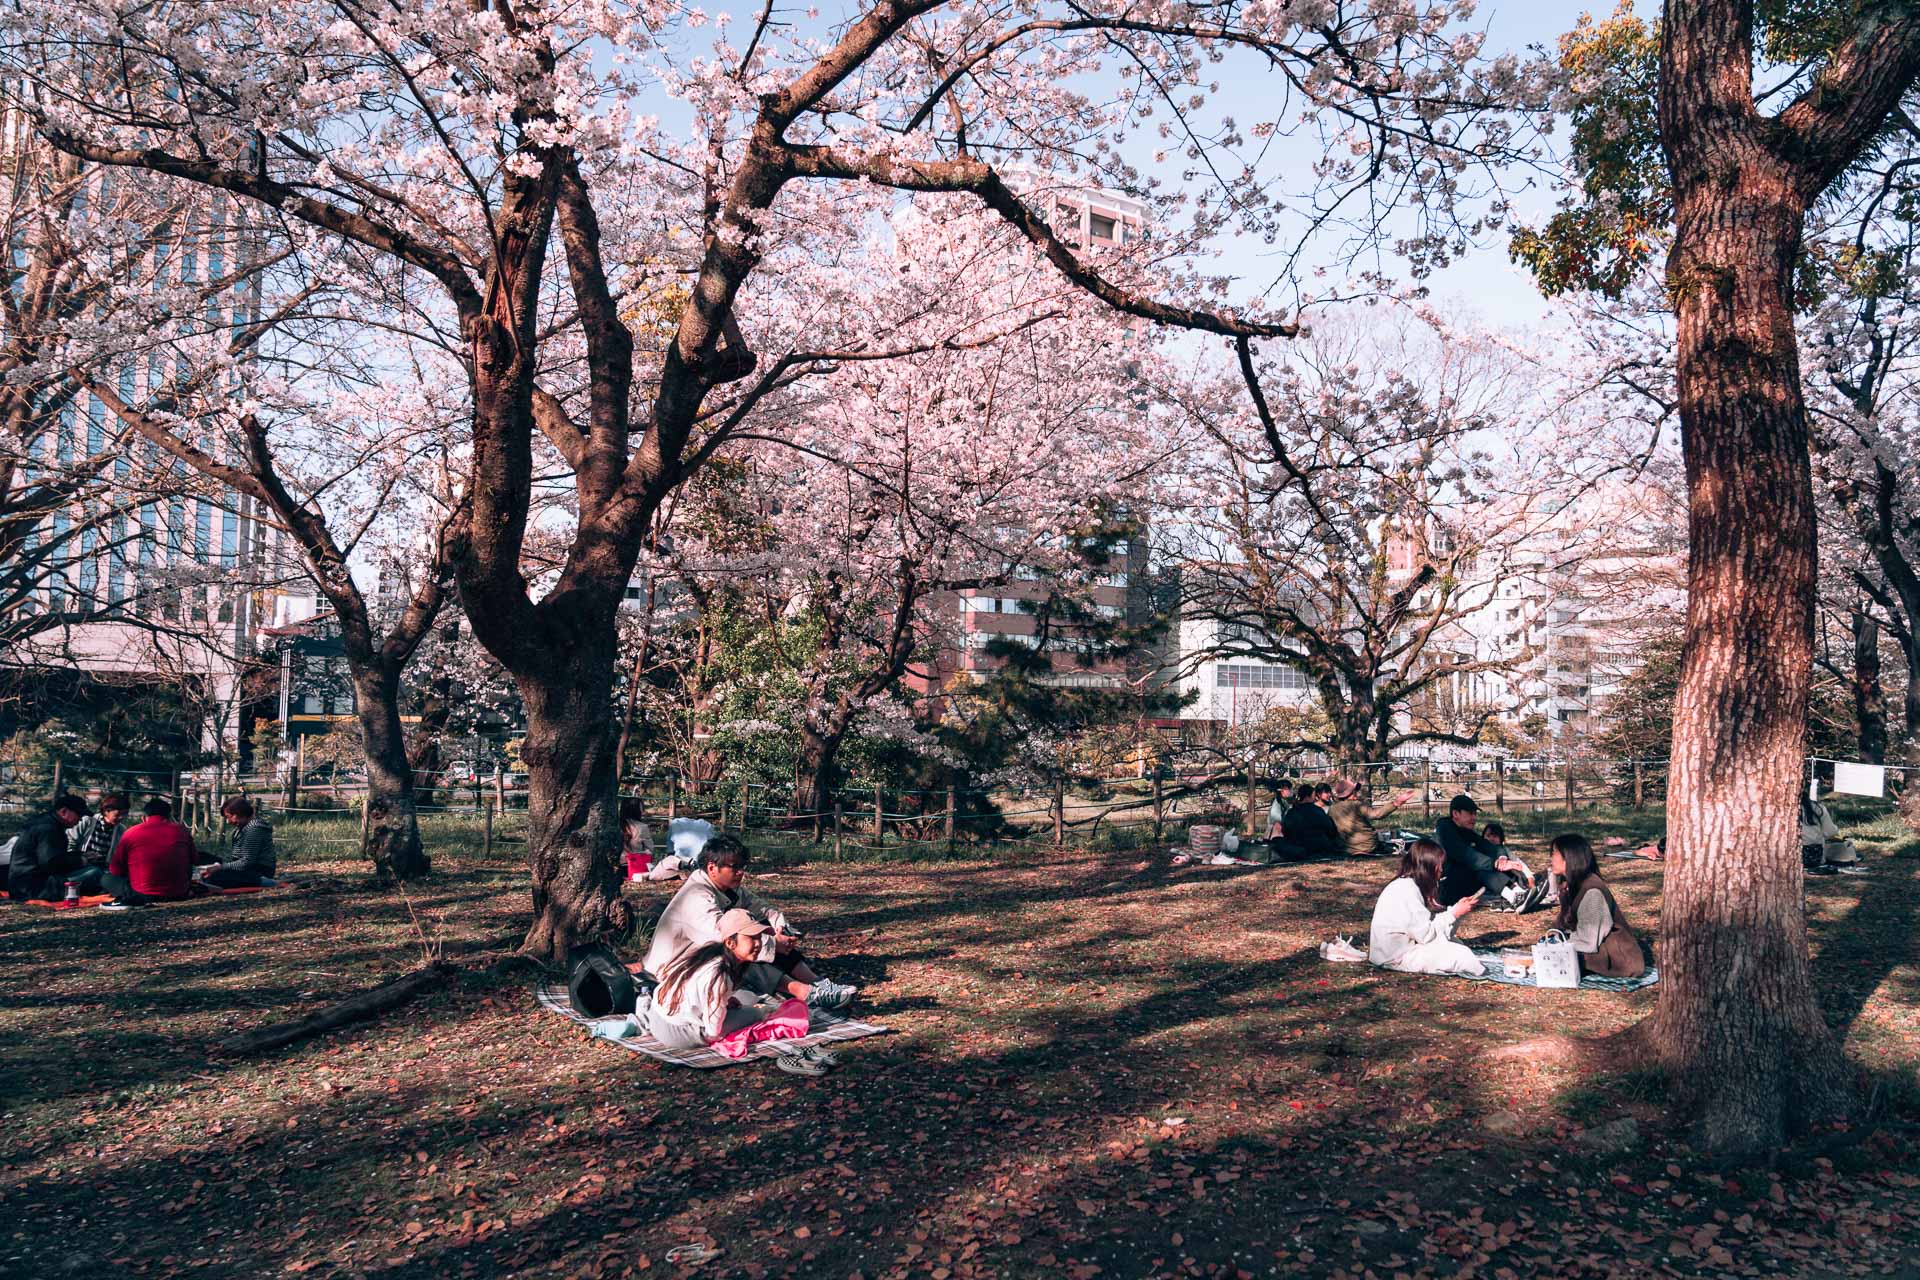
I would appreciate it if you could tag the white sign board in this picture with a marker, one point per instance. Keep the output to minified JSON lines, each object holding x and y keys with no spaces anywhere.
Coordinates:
{"x":1859,"y":779}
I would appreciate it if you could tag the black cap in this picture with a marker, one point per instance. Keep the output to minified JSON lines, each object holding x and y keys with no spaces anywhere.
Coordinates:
{"x":1462,"y":801}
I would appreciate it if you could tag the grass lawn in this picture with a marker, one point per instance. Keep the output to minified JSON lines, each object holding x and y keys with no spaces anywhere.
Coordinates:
{"x":1101,"y":1066}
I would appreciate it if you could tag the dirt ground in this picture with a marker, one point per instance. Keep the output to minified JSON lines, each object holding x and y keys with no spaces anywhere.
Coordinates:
{"x":1100,"y":1066}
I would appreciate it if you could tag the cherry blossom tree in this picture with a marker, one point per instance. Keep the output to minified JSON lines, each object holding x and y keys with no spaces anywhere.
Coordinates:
{"x":1387,"y":479}
{"x":368,"y":466}
{"x":1710,"y":140}
{"x":452,"y":143}
{"x":1003,"y":422}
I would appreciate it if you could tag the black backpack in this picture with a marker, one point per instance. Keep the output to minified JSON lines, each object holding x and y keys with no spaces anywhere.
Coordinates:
{"x":598,"y":985}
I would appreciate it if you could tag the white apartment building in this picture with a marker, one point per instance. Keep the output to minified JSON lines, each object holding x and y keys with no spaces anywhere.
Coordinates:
{"x":1232,"y":689}
{"x":1584,"y":595}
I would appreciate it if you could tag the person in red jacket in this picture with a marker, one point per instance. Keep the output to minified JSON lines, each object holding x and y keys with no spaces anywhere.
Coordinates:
{"x":153,"y":861}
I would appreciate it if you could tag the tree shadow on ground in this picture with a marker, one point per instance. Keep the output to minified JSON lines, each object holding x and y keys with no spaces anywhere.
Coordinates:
{"x":1074,"y":1071}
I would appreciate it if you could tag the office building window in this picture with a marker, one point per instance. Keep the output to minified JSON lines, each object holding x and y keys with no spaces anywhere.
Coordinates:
{"x":1244,"y":675}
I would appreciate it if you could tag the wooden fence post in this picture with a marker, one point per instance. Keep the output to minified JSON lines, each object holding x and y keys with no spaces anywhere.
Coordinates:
{"x":1059,"y":810}
{"x":1639,"y":788}
{"x":836,"y":831}
{"x":1426,"y":786}
{"x":499,"y":786}
{"x":299,"y":774}
{"x":486,"y":845}
{"x":1500,"y":784}
{"x":953,"y":807}
{"x":673,"y":796}
{"x":1252,"y":800}
{"x":1159,"y":802}
{"x":879,"y":815}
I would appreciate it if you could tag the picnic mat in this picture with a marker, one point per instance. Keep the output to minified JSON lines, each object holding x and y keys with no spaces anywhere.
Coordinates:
{"x":1494,"y":971}
{"x":824,"y":1027}
{"x":101,"y":899}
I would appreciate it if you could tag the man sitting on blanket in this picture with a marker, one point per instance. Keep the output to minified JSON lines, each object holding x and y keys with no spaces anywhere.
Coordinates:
{"x":152,"y":862}
{"x":1473,"y":863}
{"x":692,"y":919}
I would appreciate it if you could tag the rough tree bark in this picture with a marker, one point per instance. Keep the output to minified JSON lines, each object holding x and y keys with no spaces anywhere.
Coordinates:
{"x":1750,"y":1056}
{"x":1869,"y":695}
{"x":392,"y":840}
{"x":425,"y":756}
{"x":573,"y":823}
{"x":814,"y":768}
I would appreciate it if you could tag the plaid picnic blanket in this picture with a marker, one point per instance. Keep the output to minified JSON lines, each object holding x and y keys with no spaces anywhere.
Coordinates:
{"x":1493,"y":971}
{"x":823,"y":1028}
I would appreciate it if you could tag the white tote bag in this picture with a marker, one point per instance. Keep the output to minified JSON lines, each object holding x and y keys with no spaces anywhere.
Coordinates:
{"x":1554,"y":962}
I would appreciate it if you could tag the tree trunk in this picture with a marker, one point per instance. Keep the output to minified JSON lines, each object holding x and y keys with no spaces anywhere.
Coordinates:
{"x":1869,"y":695}
{"x":1749,"y":1055}
{"x":1910,"y":706}
{"x":392,"y":834}
{"x":814,"y":766}
{"x":573,"y":821}
{"x":424,"y":755}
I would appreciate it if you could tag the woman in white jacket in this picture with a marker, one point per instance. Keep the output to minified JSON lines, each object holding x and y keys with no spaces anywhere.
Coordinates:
{"x":1412,"y":932}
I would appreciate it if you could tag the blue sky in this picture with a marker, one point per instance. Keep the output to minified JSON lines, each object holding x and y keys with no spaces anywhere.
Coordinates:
{"x":1484,"y":282}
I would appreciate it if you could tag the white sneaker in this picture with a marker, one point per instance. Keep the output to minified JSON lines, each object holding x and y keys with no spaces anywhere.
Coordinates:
{"x":826,"y":994}
{"x":1514,"y":894}
{"x":1342,"y":951}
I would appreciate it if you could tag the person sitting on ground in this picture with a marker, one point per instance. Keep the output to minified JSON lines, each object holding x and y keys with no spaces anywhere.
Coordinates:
{"x":42,"y":856}
{"x":1602,"y":939}
{"x":692,"y":919}
{"x":1353,"y":818}
{"x":1654,"y":852}
{"x":153,"y":861}
{"x":249,"y":861}
{"x":1495,"y":834}
{"x":1821,"y":848}
{"x":636,"y":837}
{"x":1277,"y":811}
{"x":1472,"y":863}
{"x":94,"y":837}
{"x":694,"y":1004}
{"x":1411,"y":931}
{"x":1308,"y":832}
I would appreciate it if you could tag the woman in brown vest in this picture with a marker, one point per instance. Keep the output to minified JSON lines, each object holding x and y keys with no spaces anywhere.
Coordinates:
{"x":1601,"y":936}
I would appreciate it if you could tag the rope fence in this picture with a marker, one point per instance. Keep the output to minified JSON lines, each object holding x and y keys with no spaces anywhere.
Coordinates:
{"x":876,"y":818}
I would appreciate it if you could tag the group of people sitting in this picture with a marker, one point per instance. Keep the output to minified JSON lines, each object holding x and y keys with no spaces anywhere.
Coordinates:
{"x":724,"y":969}
{"x":69,"y":852}
{"x":1325,"y":820}
{"x":1442,"y":879}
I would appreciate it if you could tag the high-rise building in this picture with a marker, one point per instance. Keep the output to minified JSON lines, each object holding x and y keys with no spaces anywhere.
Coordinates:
{"x":143,"y":572}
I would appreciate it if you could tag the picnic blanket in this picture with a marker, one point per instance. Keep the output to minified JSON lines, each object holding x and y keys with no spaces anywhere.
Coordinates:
{"x":824,"y":1027}
{"x":1492,"y":970}
{"x":202,"y":891}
